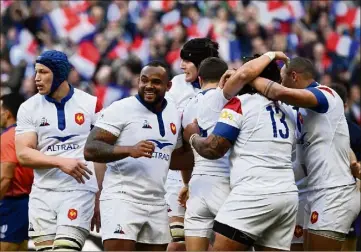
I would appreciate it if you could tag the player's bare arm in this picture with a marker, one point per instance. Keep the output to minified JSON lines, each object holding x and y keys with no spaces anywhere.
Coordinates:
{"x":212,"y":147}
{"x":182,"y":158}
{"x":28,"y":155}
{"x":7,"y":170}
{"x":100,"y":147}
{"x":275,"y":91}
{"x":248,"y":72}
{"x":354,"y":165}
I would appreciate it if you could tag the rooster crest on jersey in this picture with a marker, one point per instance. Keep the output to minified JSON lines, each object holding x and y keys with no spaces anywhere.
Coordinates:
{"x":79,"y":118}
{"x":72,"y":214}
{"x":298,"y":231}
{"x":173,"y":128}
{"x":314,"y":217}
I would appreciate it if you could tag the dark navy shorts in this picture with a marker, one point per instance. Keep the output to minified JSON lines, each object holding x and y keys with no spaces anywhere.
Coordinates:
{"x":14,"y":219}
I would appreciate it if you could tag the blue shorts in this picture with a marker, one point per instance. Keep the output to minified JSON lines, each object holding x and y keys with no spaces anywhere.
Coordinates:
{"x":14,"y":219}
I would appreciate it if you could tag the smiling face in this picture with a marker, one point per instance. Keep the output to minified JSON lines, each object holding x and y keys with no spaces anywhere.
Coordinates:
{"x":43,"y":79}
{"x":153,"y":84}
{"x":190,"y":70}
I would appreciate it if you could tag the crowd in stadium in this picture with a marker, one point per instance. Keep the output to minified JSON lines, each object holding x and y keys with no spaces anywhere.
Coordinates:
{"x":118,"y":57}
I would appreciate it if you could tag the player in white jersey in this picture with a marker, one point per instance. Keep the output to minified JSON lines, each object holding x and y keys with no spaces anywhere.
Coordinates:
{"x":333,"y":200}
{"x":52,"y":129}
{"x":209,"y":185}
{"x":262,"y":206}
{"x":184,"y":87}
{"x":136,"y":137}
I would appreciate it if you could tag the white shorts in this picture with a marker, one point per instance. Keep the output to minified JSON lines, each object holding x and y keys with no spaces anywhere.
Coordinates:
{"x":268,"y":219}
{"x":332,"y":209}
{"x":172,"y":188}
{"x":206,"y":196}
{"x":298,"y":232}
{"x":126,"y":220}
{"x":50,"y":209}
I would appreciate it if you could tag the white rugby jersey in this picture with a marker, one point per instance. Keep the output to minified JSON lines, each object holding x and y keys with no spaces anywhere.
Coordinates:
{"x":206,"y":107}
{"x":62,"y":130}
{"x":263,"y":134}
{"x":180,"y":94}
{"x":142,"y":179}
{"x":325,"y":140}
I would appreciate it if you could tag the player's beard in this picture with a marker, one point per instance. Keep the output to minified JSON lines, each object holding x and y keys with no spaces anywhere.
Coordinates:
{"x":156,"y":100}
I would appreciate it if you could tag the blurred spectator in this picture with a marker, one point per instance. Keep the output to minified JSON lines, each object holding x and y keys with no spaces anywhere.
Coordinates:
{"x":108,"y":41}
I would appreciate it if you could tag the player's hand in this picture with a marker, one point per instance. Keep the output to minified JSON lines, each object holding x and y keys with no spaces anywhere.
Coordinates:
{"x":191,"y":129}
{"x":356,"y":169}
{"x":282,"y":56}
{"x":225,"y":77}
{"x":96,"y":217}
{"x":142,"y":149}
{"x":75,"y":168}
{"x":183,"y":196}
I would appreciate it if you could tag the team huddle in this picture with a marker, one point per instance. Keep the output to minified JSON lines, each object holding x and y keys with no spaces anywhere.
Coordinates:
{"x":216,"y":158}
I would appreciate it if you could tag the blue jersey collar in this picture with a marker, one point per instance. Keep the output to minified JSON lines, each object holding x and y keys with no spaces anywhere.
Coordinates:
{"x":205,"y":91}
{"x":64,"y":100}
{"x":196,"y":84}
{"x":313,"y":84}
{"x":150,"y":107}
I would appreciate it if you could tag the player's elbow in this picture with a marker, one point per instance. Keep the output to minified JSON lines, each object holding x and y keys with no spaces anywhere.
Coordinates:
{"x":88,"y":153}
{"x":243,"y":74}
{"x":22,"y":157}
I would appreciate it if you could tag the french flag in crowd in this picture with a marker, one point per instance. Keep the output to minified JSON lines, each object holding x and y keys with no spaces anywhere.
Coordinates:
{"x":161,"y":5}
{"x":200,"y":30}
{"x":120,"y":51}
{"x":229,"y":50}
{"x":173,"y":59}
{"x":25,"y":48}
{"x":69,"y":23}
{"x":346,"y":15}
{"x":85,"y":59}
{"x":171,"y":19}
{"x":140,"y":47}
{"x":285,"y":12}
{"x":342,"y":45}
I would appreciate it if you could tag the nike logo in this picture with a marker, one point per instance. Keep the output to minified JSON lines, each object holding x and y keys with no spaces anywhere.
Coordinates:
{"x":160,"y":145}
{"x":63,"y":139}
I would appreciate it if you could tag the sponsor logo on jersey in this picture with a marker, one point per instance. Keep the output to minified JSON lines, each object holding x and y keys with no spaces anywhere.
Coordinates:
{"x":72,"y":214}
{"x":44,"y":122}
{"x":79,"y":118}
{"x":146,"y":125}
{"x":173,"y":128}
{"x":65,"y":146}
{"x":119,"y":230}
{"x":160,"y":145}
{"x":31,"y":228}
{"x":314,"y":217}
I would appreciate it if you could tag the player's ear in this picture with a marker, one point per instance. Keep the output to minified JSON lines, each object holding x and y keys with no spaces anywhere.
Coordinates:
{"x":169,"y":85}
{"x":200,"y":81}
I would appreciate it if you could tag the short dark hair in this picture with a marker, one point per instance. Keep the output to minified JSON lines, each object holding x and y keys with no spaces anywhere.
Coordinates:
{"x":12,"y":102}
{"x":157,"y":63}
{"x":341,"y":91}
{"x":271,"y":72}
{"x":211,"y":69}
{"x":303,"y":66}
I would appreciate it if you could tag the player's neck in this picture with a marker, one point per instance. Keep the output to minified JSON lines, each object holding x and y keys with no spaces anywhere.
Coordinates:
{"x":61,"y":92}
{"x":10,"y":122}
{"x":304,"y":83}
{"x":209,"y":85}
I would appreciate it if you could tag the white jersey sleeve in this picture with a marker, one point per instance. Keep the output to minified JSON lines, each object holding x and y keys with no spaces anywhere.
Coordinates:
{"x":24,"y":121}
{"x":230,"y":121}
{"x":109,"y":121}
{"x":325,"y":98}
{"x":97,"y":109}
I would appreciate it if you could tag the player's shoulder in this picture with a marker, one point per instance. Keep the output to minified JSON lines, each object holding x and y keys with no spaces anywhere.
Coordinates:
{"x":178,"y":80}
{"x":8,"y":136}
{"x":128,"y":102}
{"x":32,"y":102}
{"x":84,"y":95}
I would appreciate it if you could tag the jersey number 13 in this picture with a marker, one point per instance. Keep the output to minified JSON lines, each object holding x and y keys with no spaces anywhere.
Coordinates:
{"x":276,"y":125}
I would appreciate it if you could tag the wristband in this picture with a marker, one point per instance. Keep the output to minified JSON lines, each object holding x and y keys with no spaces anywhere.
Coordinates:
{"x":271,"y":55}
{"x":192,"y":138}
